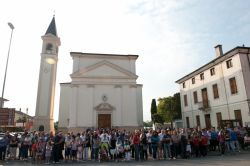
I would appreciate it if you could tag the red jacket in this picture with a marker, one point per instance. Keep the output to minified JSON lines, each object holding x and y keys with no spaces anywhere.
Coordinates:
{"x":203,"y":140}
{"x":196,"y":141}
{"x":136,"y":139}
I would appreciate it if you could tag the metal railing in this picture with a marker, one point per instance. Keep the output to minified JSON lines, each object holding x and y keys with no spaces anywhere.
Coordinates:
{"x":204,"y":105}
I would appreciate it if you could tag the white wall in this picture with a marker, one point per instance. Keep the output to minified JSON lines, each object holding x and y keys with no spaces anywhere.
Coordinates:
{"x":64,"y":105}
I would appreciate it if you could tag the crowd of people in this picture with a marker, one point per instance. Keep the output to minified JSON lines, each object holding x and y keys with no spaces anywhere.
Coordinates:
{"x":121,"y":145}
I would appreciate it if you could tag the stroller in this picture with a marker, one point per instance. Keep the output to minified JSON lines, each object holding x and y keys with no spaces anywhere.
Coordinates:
{"x":103,"y":153}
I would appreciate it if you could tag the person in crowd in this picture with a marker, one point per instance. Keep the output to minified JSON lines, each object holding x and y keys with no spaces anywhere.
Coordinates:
{"x":234,"y":139}
{"x":149,"y":135}
{"x":13,"y":146}
{"x":196,"y":144}
{"x":166,"y":145}
{"x":61,"y":146}
{"x":222,"y":141}
{"x":3,"y":147}
{"x":95,"y":146}
{"x":175,"y":144}
{"x":121,"y":137}
{"x":67,"y":147}
{"x":25,"y":145}
{"x":160,"y":144}
{"x":155,"y":141}
{"x":79,"y":147}
{"x":40,"y":149}
{"x":48,"y":152}
{"x":228,"y":140}
{"x":136,"y":144}
{"x":119,"y":150}
{"x":144,"y":146}
{"x":203,"y":145}
{"x":213,"y":139}
{"x":188,"y":149}
{"x":112,"y":145}
{"x":74,"y":148}
{"x":34,"y":150}
{"x":183,"y":142}
{"x":127,"y":150}
{"x":56,"y":147}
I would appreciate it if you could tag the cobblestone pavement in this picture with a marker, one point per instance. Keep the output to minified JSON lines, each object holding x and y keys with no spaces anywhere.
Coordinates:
{"x":238,"y":159}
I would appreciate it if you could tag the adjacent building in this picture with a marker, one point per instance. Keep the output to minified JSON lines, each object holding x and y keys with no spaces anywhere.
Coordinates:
{"x":7,"y":116}
{"x":218,"y":90}
{"x":23,"y":120}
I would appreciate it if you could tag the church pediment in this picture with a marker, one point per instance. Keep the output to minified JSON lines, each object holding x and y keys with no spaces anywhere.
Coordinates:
{"x":104,"y":107}
{"x":104,"y":69}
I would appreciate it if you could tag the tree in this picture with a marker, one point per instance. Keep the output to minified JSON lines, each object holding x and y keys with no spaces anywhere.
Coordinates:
{"x":177,"y":106}
{"x":148,"y":124}
{"x":158,"y":118}
{"x":170,"y":108}
{"x":153,"y":109}
{"x":22,"y":120}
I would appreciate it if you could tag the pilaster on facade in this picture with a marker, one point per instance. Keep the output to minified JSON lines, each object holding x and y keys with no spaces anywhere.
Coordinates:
{"x":74,"y":106}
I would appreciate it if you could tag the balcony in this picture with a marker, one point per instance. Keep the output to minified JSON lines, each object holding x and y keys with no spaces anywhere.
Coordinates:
{"x":204,"y":105}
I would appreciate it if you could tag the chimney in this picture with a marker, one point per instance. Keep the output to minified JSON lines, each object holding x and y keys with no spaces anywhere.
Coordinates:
{"x":218,"y":50}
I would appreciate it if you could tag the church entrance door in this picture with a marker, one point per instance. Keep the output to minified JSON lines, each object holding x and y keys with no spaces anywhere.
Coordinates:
{"x":104,"y":120}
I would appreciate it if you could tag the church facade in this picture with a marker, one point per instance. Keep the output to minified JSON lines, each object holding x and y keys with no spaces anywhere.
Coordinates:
{"x":103,"y":93}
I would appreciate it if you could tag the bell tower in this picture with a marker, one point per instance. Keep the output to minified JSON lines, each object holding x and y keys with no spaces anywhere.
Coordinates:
{"x":47,"y":80}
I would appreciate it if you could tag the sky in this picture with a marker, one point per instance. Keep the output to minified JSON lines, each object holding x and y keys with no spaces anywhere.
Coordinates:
{"x":171,"y":37}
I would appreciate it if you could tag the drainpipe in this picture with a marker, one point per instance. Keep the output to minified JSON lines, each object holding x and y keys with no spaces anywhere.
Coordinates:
{"x":248,"y":57}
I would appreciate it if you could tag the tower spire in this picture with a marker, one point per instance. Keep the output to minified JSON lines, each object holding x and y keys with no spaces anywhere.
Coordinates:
{"x":52,"y":27}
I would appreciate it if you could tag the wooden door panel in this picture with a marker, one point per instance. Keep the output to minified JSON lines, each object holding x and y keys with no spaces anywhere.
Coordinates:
{"x":204,"y":97}
{"x":104,"y":120}
{"x":208,"y":121}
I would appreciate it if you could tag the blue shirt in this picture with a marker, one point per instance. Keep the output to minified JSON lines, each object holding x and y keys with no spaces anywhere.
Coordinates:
{"x":233,"y":136}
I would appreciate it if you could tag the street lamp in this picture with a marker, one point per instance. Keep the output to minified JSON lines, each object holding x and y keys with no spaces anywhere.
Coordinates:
{"x":11,"y":27}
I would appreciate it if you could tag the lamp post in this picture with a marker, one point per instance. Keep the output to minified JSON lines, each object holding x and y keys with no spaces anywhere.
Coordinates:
{"x":12,"y":28}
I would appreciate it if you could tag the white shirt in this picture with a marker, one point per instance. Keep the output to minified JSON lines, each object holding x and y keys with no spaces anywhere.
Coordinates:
{"x":149,"y":135}
{"x":104,"y":138}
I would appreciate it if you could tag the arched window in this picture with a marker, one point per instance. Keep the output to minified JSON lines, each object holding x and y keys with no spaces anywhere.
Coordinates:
{"x":49,"y":47}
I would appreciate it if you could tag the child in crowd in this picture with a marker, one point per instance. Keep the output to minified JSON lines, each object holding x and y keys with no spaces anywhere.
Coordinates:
{"x":74,"y":149}
{"x":40,"y":147}
{"x":119,"y":151}
{"x":127,"y":150}
{"x":68,"y":147}
{"x":33,"y":148}
{"x":188,"y":149}
{"x":48,"y":152}
{"x":79,"y":147}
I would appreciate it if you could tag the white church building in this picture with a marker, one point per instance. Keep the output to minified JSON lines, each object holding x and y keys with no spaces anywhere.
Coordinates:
{"x":103,"y":93}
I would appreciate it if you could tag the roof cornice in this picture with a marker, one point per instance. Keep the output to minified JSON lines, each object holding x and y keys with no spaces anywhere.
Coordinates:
{"x":101,"y":55}
{"x":214,"y":62}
